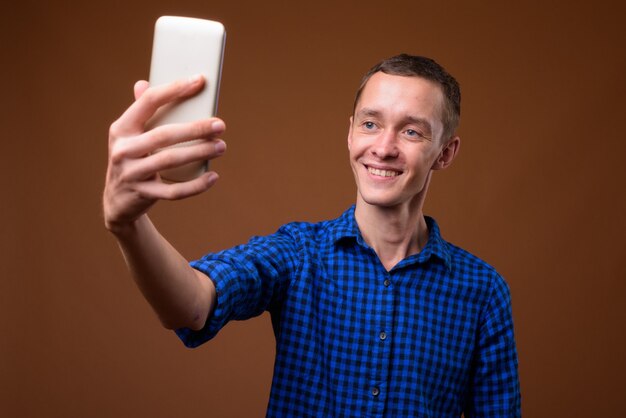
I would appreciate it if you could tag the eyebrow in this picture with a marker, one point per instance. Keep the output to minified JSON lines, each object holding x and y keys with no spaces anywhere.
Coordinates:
{"x":408,"y":119}
{"x":366,"y":111}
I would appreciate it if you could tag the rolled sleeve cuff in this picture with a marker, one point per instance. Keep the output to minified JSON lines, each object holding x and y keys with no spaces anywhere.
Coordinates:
{"x":218,"y":273}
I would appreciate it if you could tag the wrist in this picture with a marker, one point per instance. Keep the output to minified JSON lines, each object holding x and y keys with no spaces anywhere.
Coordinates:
{"x":123,"y":229}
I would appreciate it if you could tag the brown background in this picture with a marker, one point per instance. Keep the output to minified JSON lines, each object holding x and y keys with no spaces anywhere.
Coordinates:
{"x":538,"y":188}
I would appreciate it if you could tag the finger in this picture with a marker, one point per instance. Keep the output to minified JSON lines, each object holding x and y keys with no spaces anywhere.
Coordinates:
{"x":134,"y":118}
{"x":145,"y":168}
{"x":175,"y":191}
{"x":140,"y":87}
{"x":171,"y":134}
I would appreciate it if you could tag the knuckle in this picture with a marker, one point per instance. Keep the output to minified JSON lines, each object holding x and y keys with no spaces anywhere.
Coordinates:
{"x":156,"y":137}
{"x":118,"y":152}
{"x":124,"y":177}
{"x":117,"y":155}
{"x":151,"y":98}
{"x":199,"y":129}
{"x":148,"y":98}
{"x":172,"y":194}
{"x":116,"y":158}
{"x":115,"y":129}
{"x":166,"y":159}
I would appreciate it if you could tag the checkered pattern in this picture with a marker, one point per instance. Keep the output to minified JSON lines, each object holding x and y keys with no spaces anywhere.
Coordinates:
{"x":433,"y":337}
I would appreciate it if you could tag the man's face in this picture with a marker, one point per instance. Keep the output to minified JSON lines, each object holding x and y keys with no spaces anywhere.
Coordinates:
{"x":395,"y":139}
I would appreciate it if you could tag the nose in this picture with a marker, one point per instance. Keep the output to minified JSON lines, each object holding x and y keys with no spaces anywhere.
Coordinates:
{"x":386,"y":145}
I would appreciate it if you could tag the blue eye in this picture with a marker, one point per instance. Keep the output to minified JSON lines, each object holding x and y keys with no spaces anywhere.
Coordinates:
{"x":412,"y":132}
{"x":369,"y":125}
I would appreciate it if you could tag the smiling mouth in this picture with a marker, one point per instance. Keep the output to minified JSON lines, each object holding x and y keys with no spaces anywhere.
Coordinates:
{"x":383,"y":173}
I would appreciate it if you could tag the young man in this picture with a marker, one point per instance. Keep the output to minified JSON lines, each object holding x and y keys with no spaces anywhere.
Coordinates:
{"x":374,"y":313}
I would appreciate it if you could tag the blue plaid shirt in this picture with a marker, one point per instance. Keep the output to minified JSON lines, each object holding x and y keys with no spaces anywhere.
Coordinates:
{"x":433,"y":337}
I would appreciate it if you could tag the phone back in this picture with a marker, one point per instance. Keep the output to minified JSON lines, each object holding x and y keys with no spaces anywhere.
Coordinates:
{"x":184,"y":47}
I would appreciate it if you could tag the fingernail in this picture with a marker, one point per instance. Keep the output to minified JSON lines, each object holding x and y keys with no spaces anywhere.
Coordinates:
{"x":195,"y":78}
{"x":220,"y":147}
{"x":218,"y":126}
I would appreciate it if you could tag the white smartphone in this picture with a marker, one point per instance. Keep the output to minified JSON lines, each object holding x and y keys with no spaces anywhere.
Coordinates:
{"x":183,"y":47}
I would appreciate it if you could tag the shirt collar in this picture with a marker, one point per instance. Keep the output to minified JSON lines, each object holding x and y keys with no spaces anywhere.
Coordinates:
{"x":346,"y":228}
{"x":436,"y":246}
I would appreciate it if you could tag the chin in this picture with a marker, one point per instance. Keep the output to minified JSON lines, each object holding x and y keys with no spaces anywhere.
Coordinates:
{"x":375,"y":199}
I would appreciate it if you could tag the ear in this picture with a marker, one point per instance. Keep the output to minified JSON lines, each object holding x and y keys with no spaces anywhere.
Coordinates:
{"x":350,"y":133}
{"x":447,"y":154}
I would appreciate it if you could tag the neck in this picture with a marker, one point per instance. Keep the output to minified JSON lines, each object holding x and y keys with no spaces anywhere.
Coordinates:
{"x":394,"y":232}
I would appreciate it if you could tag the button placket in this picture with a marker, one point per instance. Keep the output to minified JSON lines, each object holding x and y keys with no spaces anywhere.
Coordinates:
{"x":382,"y":348}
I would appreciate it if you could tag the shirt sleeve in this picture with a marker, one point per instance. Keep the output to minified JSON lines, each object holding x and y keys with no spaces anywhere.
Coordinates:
{"x":248,"y":279}
{"x":495,"y":390}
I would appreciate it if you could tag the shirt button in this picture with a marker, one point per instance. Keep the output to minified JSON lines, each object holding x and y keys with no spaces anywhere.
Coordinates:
{"x":375,"y":391}
{"x":383,"y":335}
{"x":387,"y":282}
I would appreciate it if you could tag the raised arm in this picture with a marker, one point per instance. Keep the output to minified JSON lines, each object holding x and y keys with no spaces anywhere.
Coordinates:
{"x":180,"y":295}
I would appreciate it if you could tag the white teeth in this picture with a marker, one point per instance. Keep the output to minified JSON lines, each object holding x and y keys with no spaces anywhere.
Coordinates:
{"x":382,"y":173}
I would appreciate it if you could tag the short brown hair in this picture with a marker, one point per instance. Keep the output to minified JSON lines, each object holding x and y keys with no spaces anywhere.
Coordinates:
{"x":427,"y":68}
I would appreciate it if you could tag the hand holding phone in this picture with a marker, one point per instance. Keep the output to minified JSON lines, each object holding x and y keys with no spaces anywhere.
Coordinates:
{"x":184,"y":47}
